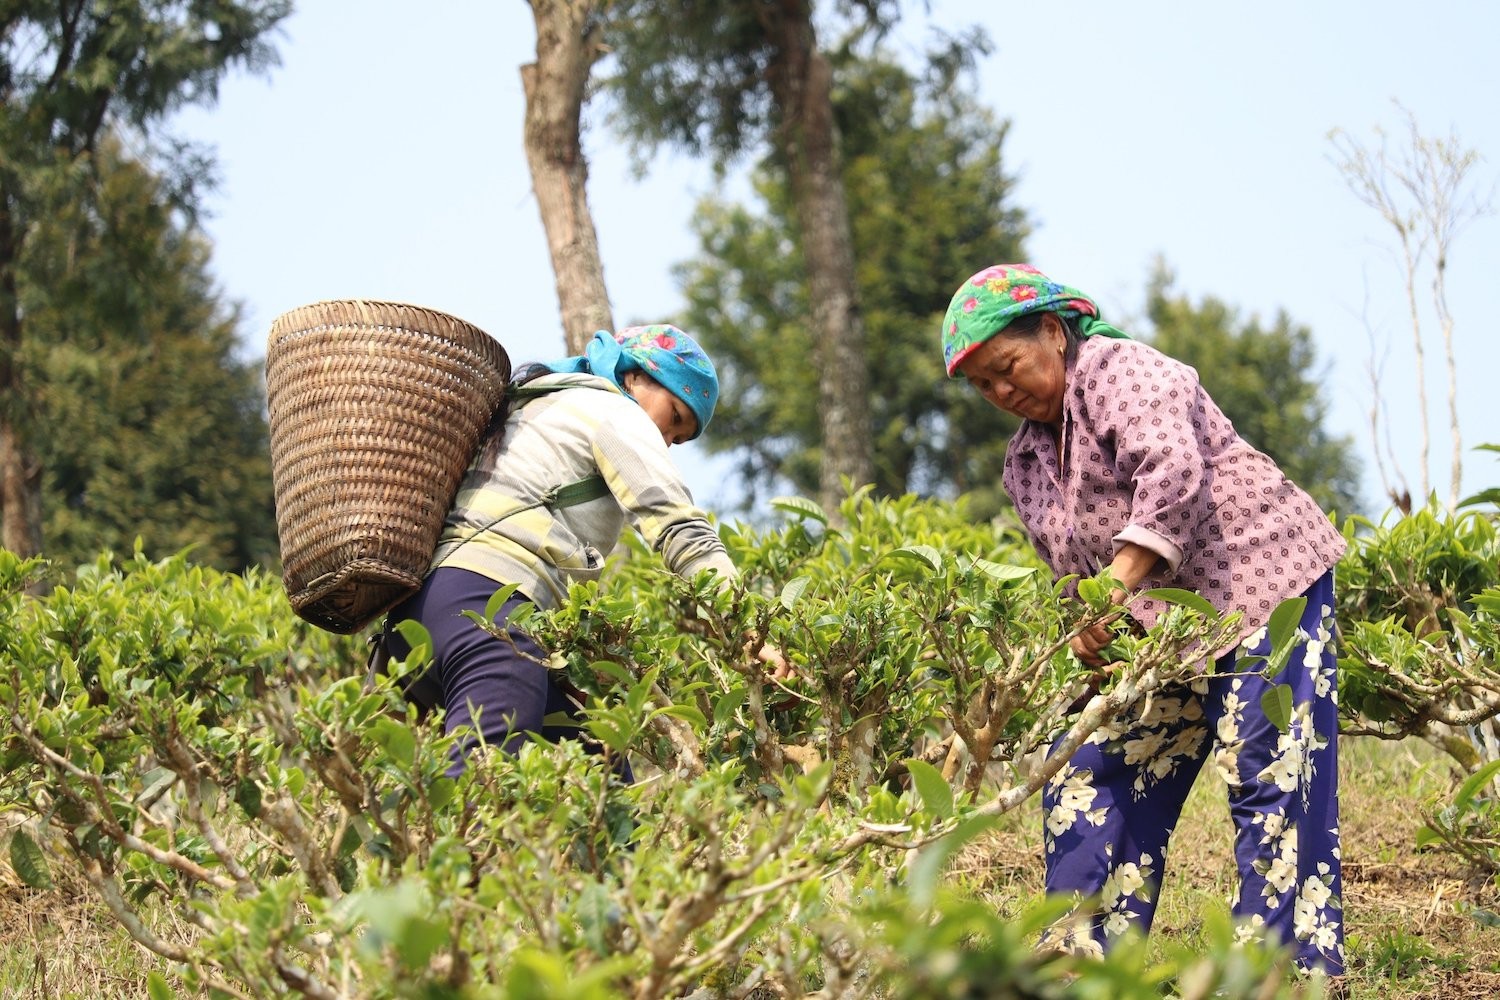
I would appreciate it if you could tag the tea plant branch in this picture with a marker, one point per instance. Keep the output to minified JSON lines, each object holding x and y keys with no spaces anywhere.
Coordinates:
{"x":684,"y":742}
{"x":728,"y":942}
{"x":103,"y":814}
{"x":767,"y":747}
{"x":180,"y":759}
{"x":687,"y":913}
{"x":1154,"y":664}
{"x":340,"y":774}
{"x":282,"y":814}
{"x":108,"y":888}
{"x":212,"y":975}
{"x":534,"y":898}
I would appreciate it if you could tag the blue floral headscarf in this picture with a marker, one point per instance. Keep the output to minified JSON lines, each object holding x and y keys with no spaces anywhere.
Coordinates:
{"x":662,"y":351}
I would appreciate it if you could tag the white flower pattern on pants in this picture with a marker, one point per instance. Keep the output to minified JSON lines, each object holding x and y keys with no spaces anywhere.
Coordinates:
{"x":1113,"y":807}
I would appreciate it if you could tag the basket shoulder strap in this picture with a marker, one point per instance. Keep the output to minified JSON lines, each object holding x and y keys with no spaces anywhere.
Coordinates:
{"x":529,"y":391}
{"x":568,"y":494}
{"x":590,"y":488}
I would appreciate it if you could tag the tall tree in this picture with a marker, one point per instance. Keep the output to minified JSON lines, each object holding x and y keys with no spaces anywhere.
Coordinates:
{"x":70,"y":71}
{"x":569,"y":41}
{"x":151,"y":427}
{"x":929,"y":204}
{"x":723,"y":77}
{"x":1266,"y":381}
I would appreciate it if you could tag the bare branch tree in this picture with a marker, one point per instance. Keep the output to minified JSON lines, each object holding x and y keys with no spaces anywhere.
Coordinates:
{"x":1424,"y":192}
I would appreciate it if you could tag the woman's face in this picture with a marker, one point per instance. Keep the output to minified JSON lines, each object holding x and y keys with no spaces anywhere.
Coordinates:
{"x":670,"y":414}
{"x":1022,"y":375}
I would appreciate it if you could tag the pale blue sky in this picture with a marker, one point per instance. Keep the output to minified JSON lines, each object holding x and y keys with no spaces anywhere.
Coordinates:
{"x":383,"y":159}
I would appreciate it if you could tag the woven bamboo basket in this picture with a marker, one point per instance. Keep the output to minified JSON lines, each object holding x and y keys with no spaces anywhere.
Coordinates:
{"x":376,"y":410}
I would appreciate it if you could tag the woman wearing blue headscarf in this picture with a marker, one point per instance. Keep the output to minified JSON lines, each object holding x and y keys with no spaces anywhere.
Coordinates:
{"x":581,"y":453}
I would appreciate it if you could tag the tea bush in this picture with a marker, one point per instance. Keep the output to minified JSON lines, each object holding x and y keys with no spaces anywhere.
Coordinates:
{"x":1420,"y":654}
{"x":255,"y":812}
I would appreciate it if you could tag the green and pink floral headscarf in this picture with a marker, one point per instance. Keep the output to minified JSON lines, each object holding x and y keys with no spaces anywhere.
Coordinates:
{"x":995,"y":297}
{"x":662,"y":351}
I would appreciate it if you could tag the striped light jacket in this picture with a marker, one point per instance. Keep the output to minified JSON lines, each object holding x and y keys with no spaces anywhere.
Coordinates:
{"x":497,"y":527}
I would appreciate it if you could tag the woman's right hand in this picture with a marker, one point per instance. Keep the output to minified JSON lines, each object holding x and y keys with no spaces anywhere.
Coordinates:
{"x":1087,"y":644}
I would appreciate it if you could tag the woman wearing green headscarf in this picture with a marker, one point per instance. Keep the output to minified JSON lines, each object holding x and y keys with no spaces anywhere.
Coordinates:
{"x":1124,"y":463}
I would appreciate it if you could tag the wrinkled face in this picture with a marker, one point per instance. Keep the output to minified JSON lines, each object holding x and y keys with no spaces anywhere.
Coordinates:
{"x":1022,"y":375}
{"x":670,"y":414}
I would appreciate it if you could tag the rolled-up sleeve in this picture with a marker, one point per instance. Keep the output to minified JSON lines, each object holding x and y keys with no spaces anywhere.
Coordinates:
{"x":1158,"y":414}
{"x":633,"y":460}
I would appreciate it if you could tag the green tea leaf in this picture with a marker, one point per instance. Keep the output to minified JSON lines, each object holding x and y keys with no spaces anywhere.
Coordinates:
{"x":793,"y":591}
{"x":157,"y":988}
{"x":1187,"y":598}
{"x":728,"y":703}
{"x":1282,"y":627}
{"x":927,"y":871}
{"x":1486,"y":918}
{"x":597,"y":914}
{"x":800,"y":506}
{"x":1471,"y":786}
{"x":924,"y":554}
{"x":1276,"y":703}
{"x":1491,"y":495}
{"x":687,"y":713}
{"x":497,"y":601}
{"x":937,"y":795}
{"x":247,"y":794}
{"x":1003,"y":572}
{"x":27,"y":859}
{"x":395,"y":739}
{"x":613,"y":671}
{"x":418,"y":638}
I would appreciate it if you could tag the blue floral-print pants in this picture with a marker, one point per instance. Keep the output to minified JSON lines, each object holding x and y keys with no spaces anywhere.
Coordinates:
{"x":1111,"y":810}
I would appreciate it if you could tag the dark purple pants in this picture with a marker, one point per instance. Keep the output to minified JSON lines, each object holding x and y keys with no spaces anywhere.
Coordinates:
{"x":1111,"y":811}
{"x":498,"y":691}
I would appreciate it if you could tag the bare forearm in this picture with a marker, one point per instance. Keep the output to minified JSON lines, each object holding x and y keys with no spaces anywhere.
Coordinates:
{"x":1131,"y":564}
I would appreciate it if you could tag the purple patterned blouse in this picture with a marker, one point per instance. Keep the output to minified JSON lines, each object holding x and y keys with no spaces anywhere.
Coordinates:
{"x":1147,"y":457}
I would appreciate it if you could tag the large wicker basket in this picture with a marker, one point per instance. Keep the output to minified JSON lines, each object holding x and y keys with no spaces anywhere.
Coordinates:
{"x":376,"y":410}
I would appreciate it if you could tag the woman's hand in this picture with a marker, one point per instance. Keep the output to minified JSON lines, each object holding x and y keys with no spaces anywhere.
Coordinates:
{"x":1131,"y":564}
{"x":781,"y":667}
{"x":1087,"y":644}
{"x":770,"y":655}
{"x":783,"y":670}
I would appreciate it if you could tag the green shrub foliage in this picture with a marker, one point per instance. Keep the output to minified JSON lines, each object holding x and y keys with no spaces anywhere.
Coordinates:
{"x":255,"y":811}
{"x":1420,"y":614}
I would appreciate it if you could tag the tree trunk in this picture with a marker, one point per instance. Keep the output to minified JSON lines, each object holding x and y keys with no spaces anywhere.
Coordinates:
{"x":20,"y":471}
{"x":567,"y":46}
{"x":802,"y":83}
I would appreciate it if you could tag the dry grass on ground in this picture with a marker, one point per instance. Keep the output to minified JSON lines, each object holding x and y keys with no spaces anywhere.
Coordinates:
{"x":60,"y":944}
{"x":1411,"y":933}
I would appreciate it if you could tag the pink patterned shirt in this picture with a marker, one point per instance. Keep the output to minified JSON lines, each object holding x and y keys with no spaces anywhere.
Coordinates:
{"x":1147,"y":457}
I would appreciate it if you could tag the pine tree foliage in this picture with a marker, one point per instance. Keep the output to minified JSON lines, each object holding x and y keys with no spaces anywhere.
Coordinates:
{"x":148,"y":423}
{"x":929,"y":203}
{"x":74,"y":76}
